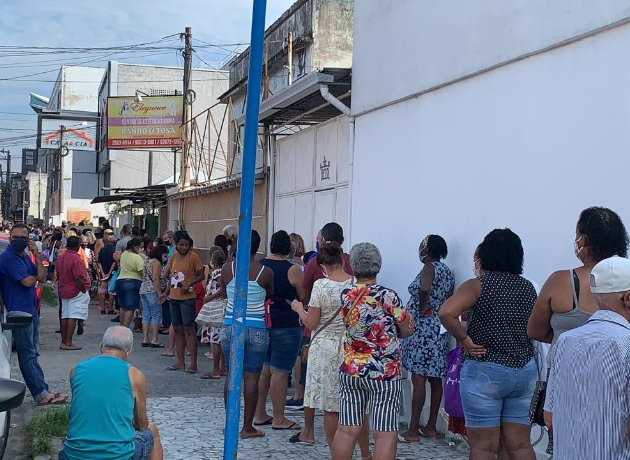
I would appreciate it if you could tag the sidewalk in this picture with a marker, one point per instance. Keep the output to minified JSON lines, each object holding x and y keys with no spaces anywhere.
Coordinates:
{"x":187,"y":410}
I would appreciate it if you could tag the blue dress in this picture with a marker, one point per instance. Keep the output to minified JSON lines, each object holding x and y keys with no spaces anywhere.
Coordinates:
{"x":424,"y":352}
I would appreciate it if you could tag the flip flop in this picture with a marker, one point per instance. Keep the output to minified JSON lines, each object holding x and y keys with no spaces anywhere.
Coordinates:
{"x":295,"y":439}
{"x":145,"y":345}
{"x":167,"y":354}
{"x":156,"y":345}
{"x":57,"y":399}
{"x":190,"y":371}
{"x":293,"y":426}
{"x":269,"y":421}
{"x":64,"y":348}
{"x":259,"y":434}
{"x":403,"y":440}
{"x":209,"y":376}
{"x":424,"y":435}
{"x":173,"y":368}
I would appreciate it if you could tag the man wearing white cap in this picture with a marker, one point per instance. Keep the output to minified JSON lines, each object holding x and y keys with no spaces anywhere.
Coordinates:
{"x":588,"y":392}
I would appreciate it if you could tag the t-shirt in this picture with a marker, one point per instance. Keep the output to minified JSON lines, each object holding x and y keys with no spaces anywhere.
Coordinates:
{"x":70,"y":266}
{"x":498,"y":320}
{"x":106,"y":257}
{"x":13,"y":269}
{"x":371,"y":346}
{"x":131,"y":266}
{"x":121,"y":244}
{"x":183,"y":269}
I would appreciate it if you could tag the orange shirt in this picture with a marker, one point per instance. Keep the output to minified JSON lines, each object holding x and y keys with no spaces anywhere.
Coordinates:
{"x":183,"y":269}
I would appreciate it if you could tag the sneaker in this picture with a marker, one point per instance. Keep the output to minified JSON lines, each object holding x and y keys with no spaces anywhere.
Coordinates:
{"x":115,"y":320}
{"x":80,"y":329}
{"x":294,"y":404}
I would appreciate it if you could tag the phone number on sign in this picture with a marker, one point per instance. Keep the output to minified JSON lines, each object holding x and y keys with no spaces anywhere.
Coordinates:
{"x":144,"y":142}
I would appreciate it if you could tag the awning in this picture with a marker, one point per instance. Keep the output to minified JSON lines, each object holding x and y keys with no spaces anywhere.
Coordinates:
{"x":151,"y":194}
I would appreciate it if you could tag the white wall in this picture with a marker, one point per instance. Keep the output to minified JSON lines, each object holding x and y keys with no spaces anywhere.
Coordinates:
{"x":304,"y":200}
{"x":526,"y":146}
{"x":405,"y":46}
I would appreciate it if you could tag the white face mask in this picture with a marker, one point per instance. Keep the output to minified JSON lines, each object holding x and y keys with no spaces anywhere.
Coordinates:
{"x":476,"y":271}
{"x":324,"y":271}
{"x":576,"y":248}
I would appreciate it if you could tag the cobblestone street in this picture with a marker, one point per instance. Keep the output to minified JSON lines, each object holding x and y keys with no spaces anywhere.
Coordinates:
{"x":191,"y":429}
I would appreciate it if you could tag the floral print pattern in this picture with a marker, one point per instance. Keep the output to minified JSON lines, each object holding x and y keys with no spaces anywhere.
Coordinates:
{"x":372,"y":346}
{"x":424,"y":353}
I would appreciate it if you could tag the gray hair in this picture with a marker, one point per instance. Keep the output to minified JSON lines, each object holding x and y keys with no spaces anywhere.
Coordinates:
{"x":231,"y":230}
{"x":365,"y":260}
{"x":118,"y":338}
{"x":170,"y":233}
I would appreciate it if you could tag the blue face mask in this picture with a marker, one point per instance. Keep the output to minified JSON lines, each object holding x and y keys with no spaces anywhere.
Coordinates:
{"x":19,"y":244}
{"x":317,"y":246}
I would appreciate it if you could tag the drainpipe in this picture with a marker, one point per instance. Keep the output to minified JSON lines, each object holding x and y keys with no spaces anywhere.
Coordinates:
{"x":323,"y":89}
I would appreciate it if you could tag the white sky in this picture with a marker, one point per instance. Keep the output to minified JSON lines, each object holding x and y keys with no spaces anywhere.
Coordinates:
{"x":105,"y":23}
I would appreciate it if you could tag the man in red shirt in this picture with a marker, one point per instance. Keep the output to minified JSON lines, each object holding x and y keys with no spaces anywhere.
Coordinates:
{"x":73,"y":282}
{"x":312,"y":272}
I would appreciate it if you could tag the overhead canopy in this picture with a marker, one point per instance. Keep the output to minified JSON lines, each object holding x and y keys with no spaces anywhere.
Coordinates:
{"x":151,"y":194}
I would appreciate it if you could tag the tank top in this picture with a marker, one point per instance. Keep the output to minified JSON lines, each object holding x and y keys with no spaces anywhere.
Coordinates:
{"x":255,"y":314}
{"x":99,"y":429}
{"x":498,"y":320}
{"x":283,"y":294}
{"x":563,"y":322}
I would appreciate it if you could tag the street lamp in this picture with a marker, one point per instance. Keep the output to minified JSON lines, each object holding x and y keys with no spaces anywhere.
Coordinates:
{"x":139,"y":95}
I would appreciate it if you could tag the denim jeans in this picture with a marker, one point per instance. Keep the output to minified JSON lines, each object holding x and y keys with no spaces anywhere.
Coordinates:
{"x":151,"y":309}
{"x":26,"y":346}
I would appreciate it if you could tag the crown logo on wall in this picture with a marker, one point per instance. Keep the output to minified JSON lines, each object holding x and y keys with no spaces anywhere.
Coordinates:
{"x":324,"y":168}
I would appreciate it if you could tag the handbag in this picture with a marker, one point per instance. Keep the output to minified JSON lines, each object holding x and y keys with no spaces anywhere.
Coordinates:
{"x":537,"y":405}
{"x":452,"y":397}
{"x":305,"y":348}
{"x":112,"y":283}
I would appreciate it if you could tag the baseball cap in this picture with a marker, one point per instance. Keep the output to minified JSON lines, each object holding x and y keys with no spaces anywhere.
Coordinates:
{"x":611,"y":275}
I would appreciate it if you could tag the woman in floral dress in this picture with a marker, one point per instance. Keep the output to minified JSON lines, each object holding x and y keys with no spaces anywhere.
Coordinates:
{"x":424,"y":353}
{"x":325,"y":352}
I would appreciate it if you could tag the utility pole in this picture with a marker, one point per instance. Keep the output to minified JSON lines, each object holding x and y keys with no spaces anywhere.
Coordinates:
{"x":150,"y":171}
{"x":62,"y":128}
{"x":39,"y":194}
{"x":266,"y":78}
{"x":6,"y":191}
{"x":188,"y":100}
{"x":290,"y":57}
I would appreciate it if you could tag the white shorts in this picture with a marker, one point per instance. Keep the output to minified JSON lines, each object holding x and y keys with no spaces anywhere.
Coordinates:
{"x":77,"y":307}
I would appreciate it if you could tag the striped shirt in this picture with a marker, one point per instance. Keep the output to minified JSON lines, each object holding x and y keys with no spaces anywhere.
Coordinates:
{"x":588,"y":390}
{"x":255,"y":314}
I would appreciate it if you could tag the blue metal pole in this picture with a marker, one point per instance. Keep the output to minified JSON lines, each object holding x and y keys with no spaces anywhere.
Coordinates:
{"x":250,"y":143}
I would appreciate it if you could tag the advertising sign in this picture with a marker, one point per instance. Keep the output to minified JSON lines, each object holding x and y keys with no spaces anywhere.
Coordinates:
{"x":29,"y":160}
{"x":77,"y":135}
{"x":155,"y":122}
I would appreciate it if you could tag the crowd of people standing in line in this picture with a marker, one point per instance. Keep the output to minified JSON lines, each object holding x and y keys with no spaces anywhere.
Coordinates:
{"x":324,"y":317}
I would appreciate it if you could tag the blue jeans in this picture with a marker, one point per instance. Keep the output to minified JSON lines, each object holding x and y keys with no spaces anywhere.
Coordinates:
{"x":143,"y":442}
{"x":284,"y":346}
{"x":26,"y":346}
{"x":256,"y":345}
{"x":493,"y":394}
{"x":151,"y":309}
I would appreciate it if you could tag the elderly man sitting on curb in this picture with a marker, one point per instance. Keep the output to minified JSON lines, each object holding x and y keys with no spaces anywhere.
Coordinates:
{"x":108,"y":414}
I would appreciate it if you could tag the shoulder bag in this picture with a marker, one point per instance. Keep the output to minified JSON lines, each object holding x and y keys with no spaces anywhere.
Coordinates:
{"x":304,"y":350}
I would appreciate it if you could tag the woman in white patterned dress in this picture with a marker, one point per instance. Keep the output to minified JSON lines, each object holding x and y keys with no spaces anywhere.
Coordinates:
{"x":325,"y":351}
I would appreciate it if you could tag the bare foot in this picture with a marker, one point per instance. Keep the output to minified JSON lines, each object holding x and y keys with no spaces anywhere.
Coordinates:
{"x":251,"y":433}
{"x":426,"y":433}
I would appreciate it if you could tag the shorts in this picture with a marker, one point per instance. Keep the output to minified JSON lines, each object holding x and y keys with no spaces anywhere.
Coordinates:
{"x":151,"y":309}
{"x":493,"y":394}
{"x":128,"y":292}
{"x":383,"y":396}
{"x":143,"y":442}
{"x":183,"y":312}
{"x":284,"y":347}
{"x":256,"y":345}
{"x":77,"y":307}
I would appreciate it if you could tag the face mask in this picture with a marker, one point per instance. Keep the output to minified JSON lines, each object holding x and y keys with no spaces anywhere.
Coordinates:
{"x":422,"y":257}
{"x":324,"y":271}
{"x":317,"y":246}
{"x":19,"y":244}
{"x":476,"y":271}
{"x":576,"y":248}
{"x":168,"y":242}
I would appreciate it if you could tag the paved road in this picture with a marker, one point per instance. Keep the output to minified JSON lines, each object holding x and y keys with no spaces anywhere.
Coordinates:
{"x":189,"y":411}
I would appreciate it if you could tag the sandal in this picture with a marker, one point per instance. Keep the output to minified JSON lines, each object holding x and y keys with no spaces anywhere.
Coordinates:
{"x":57,"y":398}
{"x":209,"y":376}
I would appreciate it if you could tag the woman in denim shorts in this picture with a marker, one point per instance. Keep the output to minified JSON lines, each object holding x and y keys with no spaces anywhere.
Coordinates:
{"x":499,"y":372}
{"x":285,"y":334}
{"x":260,"y":286}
